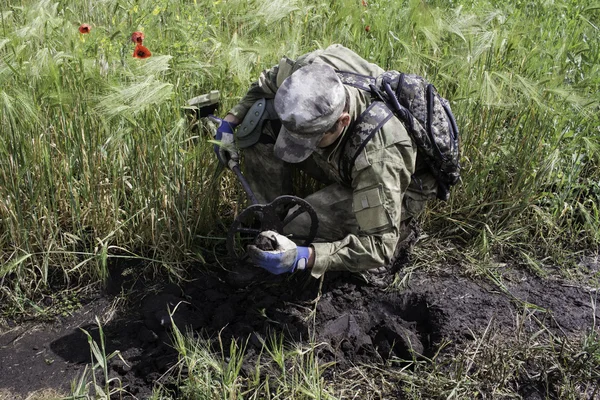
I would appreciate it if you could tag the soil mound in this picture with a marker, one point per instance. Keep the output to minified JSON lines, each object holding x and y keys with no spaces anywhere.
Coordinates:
{"x":358,"y":321}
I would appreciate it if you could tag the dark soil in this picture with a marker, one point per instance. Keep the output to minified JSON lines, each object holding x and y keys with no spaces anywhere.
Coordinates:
{"x":359,"y":321}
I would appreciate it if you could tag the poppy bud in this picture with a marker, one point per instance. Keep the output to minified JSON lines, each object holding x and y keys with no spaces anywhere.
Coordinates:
{"x":137,"y":37}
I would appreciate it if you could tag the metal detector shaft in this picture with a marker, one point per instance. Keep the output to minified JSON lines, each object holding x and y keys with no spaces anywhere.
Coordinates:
{"x":235,"y":167}
{"x":256,"y":218}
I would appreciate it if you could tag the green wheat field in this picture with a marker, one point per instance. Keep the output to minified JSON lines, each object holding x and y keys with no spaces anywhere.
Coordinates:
{"x":99,"y":160}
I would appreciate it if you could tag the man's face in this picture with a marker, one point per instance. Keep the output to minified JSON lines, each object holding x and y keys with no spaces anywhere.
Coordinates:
{"x":331,"y":136}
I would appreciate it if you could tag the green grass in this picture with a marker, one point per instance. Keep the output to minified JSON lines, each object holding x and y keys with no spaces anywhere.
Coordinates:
{"x":101,"y":386}
{"x":97,"y":158}
{"x":281,"y":371}
{"x":510,"y":364}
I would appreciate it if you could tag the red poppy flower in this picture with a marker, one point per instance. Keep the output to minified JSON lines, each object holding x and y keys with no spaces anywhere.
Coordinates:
{"x":84,"y":28}
{"x":368,"y":28}
{"x":141,"y":52}
{"x":364,"y":3}
{"x":137,"y":37}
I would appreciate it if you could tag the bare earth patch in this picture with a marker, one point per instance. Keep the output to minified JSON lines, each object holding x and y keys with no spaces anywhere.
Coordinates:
{"x":358,"y":322}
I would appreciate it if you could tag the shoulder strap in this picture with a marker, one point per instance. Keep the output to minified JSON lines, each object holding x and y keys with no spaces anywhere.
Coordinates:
{"x":367,"y":124}
{"x":358,"y":81}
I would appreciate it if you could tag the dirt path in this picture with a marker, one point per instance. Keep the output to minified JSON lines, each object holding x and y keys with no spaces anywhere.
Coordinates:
{"x":359,"y":321}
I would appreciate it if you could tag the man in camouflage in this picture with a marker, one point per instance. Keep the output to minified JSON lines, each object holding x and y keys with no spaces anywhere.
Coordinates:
{"x":297,"y":115}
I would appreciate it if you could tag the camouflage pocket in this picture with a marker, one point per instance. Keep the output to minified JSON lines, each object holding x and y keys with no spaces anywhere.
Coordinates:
{"x":414,"y":206}
{"x":422,"y":188}
{"x":368,"y":208}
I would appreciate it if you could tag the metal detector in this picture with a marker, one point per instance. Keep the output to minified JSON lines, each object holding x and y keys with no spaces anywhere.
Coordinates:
{"x":257,"y":218}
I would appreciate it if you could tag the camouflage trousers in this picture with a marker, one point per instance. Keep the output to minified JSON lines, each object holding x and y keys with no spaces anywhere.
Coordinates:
{"x":270,"y":177}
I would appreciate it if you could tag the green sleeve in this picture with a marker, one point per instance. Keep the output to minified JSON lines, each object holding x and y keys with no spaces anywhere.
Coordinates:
{"x":381,"y":176}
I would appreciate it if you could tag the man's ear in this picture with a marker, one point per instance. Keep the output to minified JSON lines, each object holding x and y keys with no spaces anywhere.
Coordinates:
{"x":345,"y":119}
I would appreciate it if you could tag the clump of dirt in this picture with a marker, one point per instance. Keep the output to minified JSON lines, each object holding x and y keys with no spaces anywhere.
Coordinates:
{"x":265,"y":243}
{"x":360,"y":322}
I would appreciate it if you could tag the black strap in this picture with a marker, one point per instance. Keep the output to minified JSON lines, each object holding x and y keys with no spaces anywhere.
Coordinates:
{"x":367,"y":124}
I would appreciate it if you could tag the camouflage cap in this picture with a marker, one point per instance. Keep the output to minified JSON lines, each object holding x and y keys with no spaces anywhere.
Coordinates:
{"x":308,"y":103}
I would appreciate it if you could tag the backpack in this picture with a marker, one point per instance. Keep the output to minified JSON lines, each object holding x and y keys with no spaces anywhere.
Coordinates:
{"x":425,"y":114}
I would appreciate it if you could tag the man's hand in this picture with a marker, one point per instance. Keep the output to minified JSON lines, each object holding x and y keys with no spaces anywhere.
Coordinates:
{"x":286,"y":257}
{"x":226,"y":149}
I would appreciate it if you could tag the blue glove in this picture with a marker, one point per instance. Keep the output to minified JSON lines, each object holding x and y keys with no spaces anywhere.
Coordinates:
{"x":287,"y":257}
{"x":226,"y":149}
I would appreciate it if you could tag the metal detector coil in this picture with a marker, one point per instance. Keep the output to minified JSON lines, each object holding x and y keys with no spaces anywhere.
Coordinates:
{"x":257,"y":218}
{"x":274,"y":216}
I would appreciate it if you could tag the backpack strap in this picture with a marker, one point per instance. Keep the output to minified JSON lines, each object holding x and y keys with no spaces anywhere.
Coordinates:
{"x":359,"y":81}
{"x":365,"y":127}
{"x":425,"y":114}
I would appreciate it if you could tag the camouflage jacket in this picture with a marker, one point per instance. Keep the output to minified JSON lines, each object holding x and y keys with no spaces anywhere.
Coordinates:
{"x":380,"y":176}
